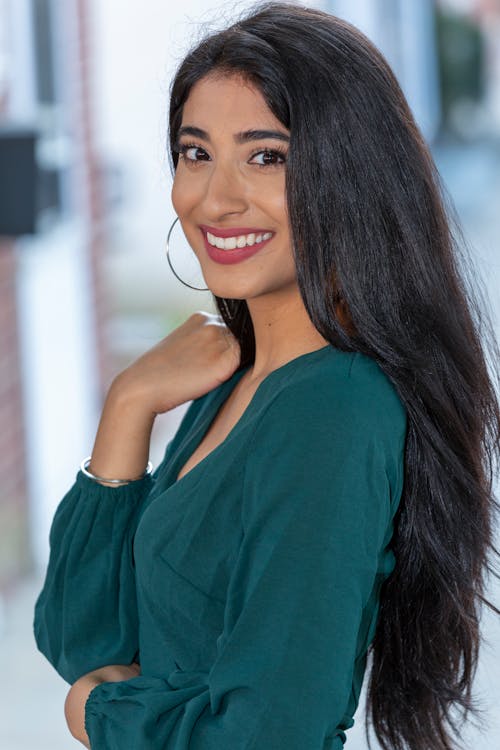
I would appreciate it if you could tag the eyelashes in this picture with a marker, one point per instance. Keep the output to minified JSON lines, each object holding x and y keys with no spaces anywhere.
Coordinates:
{"x":183,"y":148}
{"x":276,"y":153}
{"x":280,"y":154}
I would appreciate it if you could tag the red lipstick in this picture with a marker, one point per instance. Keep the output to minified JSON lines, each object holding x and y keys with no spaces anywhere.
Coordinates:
{"x":237,"y":254}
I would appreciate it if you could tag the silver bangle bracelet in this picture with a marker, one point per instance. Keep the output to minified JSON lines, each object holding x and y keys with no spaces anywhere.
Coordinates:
{"x":84,"y":470}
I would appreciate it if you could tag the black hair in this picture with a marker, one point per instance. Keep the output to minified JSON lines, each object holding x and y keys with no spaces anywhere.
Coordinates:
{"x":382,"y":269}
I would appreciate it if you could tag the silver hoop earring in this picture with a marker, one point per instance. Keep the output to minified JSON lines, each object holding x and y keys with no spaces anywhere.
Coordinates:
{"x":199,"y":289}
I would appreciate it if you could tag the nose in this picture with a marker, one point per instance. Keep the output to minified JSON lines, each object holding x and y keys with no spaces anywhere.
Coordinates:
{"x":225,"y":191}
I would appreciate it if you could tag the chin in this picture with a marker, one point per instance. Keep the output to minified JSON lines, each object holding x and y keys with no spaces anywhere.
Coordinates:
{"x":222,"y":288}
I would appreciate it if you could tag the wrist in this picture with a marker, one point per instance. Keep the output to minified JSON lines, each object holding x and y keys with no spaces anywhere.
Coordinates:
{"x":113,"y":482}
{"x":129,"y":402}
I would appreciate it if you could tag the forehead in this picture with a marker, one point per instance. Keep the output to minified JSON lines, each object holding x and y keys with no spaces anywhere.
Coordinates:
{"x":226,"y":104}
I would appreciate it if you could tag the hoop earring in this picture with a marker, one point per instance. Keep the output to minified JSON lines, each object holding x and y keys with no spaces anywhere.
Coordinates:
{"x":199,"y":289}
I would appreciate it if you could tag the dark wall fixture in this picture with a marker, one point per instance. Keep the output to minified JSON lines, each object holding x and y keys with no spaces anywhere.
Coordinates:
{"x":18,"y":181}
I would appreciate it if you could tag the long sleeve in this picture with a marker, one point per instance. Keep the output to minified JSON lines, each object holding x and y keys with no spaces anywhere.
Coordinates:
{"x":322,"y":481}
{"x":86,"y":613}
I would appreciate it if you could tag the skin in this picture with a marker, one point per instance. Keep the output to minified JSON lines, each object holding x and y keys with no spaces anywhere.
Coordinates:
{"x":222,"y":183}
{"x":75,"y":700}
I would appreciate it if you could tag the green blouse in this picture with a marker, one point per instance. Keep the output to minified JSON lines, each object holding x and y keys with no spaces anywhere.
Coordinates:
{"x":248,"y":590}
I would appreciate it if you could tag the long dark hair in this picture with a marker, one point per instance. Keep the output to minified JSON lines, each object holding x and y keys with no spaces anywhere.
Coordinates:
{"x":382,"y":268}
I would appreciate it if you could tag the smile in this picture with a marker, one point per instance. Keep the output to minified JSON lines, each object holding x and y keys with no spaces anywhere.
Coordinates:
{"x":240,"y":240}
{"x":235,"y":244}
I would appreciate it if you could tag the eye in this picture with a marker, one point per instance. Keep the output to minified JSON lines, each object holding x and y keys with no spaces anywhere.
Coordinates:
{"x":191,"y":152}
{"x":269,"y":157}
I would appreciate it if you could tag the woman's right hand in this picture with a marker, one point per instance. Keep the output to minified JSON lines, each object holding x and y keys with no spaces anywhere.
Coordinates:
{"x":194,"y":358}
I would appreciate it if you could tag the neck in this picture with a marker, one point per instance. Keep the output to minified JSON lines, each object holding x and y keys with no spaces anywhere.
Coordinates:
{"x":283,"y":330}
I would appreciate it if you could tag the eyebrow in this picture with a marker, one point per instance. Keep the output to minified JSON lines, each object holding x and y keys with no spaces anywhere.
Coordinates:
{"x":243,"y":137}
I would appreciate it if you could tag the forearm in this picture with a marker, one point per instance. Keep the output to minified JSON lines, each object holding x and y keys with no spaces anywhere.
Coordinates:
{"x":74,"y":706}
{"x":121,"y":447}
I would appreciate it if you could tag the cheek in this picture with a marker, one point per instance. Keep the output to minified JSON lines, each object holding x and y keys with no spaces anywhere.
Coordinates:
{"x":184,"y":194}
{"x":269,"y":195}
{"x":178,"y":195}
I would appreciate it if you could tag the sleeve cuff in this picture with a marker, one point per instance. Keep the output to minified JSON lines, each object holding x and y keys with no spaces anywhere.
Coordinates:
{"x":133,"y":490}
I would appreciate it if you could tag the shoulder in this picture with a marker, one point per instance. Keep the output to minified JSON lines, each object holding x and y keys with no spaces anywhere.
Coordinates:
{"x":334,"y":428}
{"x":347,"y":389}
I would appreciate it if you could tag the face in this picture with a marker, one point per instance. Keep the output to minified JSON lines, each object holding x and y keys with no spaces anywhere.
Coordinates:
{"x":229,"y":189}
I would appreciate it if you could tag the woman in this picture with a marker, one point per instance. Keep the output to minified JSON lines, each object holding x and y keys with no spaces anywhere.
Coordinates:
{"x":328,"y":493}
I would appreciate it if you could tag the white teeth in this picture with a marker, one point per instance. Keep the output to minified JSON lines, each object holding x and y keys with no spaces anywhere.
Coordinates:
{"x":242,"y":240}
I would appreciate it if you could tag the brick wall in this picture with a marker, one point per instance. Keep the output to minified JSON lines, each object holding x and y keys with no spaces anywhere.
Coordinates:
{"x":14,"y":536}
{"x":93,"y":187}
{"x":15,"y":557}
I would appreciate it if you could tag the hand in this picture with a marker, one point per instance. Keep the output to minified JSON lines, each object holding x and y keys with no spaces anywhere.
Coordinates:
{"x":193,"y":359}
{"x":74,"y":706}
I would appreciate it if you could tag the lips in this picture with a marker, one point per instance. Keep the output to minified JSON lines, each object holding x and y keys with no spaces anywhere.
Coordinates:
{"x":237,"y":254}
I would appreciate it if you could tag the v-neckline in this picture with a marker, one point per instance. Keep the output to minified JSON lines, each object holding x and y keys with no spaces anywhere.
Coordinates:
{"x":194,"y":439}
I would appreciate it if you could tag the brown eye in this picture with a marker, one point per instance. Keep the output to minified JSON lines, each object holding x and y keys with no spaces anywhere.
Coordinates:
{"x":269,"y":158}
{"x":193,"y":153}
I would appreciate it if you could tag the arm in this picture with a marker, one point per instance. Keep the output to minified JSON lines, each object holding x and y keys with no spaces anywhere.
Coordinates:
{"x":86,"y":614}
{"x":316,"y":513}
{"x":79,"y":693}
{"x":121,"y":446}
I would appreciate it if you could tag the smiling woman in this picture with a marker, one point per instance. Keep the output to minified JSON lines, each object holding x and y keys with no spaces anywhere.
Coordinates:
{"x":328,"y":494}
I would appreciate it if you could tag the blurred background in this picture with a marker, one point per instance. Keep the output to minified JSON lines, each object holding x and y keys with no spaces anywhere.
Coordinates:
{"x":84,"y":283}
